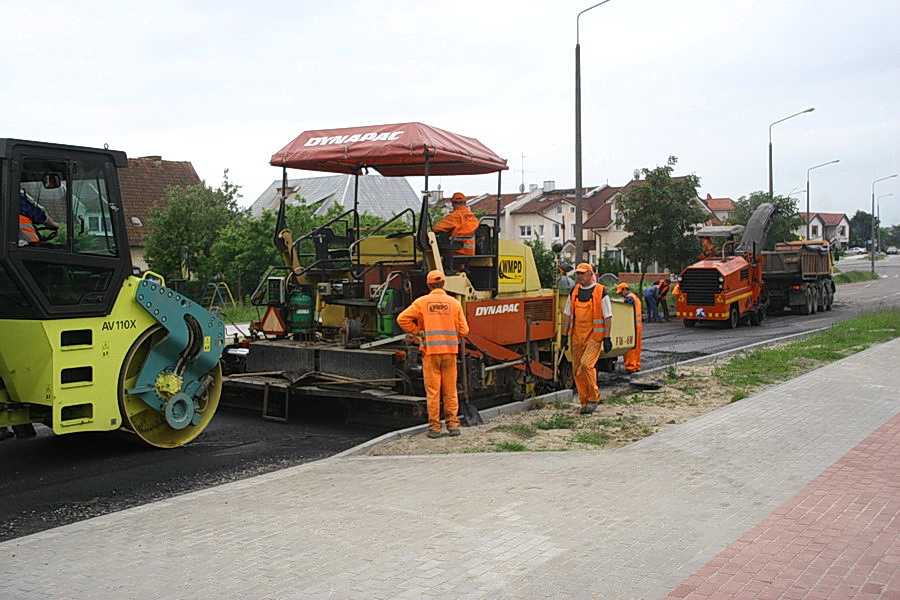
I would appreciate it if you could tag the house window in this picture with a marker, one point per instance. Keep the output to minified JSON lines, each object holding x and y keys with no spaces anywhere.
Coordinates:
{"x":815,"y":231}
{"x":618,"y":222}
{"x":842,"y":231}
{"x":556,"y":231}
{"x":572,"y":230}
{"x":559,"y":209}
{"x":524,"y":231}
{"x":571,"y":209}
{"x":540,"y":230}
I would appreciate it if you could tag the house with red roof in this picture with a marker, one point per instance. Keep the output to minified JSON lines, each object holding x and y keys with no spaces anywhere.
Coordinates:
{"x":833,"y":227}
{"x":143,"y":185}
{"x":722,"y":208}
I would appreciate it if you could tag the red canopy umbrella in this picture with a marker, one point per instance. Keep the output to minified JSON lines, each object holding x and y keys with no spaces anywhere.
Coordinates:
{"x":396,"y":150}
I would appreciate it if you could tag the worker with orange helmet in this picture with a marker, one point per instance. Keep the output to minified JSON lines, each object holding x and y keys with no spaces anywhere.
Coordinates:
{"x":437,"y":319}
{"x":461,"y":224}
{"x":632,"y":358}
{"x":663,"y":300}
{"x":589,"y":322}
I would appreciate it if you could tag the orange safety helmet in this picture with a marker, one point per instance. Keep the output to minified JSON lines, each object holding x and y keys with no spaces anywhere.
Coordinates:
{"x":435,"y":277}
{"x":458,"y":197}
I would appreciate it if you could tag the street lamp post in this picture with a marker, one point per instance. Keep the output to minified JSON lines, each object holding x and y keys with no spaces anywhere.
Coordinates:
{"x":770,"y":144}
{"x":878,"y":205}
{"x":579,"y":242}
{"x":872,"y":239}
{"x":831,"y":162}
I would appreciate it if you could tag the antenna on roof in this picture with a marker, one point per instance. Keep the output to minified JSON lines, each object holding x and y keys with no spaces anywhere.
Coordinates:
{"x":637,"y":174}
{"x":522,"y":171}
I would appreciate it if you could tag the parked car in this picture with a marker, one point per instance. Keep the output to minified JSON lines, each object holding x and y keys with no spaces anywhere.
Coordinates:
{"x":855,"y":250}
{"x":891,"y":250}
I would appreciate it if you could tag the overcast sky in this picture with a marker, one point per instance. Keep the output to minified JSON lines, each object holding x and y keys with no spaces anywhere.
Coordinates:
{"x":226,"y":84}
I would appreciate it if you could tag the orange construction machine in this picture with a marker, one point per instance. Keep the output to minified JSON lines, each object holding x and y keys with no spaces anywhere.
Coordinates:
{"x":727,"y":285}
{"x":330,"y":314}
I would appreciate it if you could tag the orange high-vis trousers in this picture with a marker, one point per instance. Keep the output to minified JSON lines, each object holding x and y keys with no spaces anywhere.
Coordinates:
{"x":439,"y":371}
{"x":584,"y":360}
{"x":632,"y":358}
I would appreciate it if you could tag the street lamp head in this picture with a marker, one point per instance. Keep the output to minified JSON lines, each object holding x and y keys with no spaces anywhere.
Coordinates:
{"x":810,"y":109}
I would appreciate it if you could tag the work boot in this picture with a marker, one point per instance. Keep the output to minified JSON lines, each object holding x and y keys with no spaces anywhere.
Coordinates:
{"x":5,"y":433}
{"x":454,"y":432}
{"x":434,"y":434}
{"x":591,"y":407}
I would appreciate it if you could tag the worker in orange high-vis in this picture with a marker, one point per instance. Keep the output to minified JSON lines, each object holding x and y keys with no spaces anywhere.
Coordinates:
{"x":588,"y":322}
{"x":438,"y":321}
{"x":461,"y":224}
{"x":632,"y":358}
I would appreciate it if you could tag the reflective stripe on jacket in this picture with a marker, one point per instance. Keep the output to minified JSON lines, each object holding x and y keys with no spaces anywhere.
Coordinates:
{"x":461,"y":225}
{"x":440,"y":317}
{"x":27,"y":232}
{"x":595,"y":310}
{"x":638,"y":317}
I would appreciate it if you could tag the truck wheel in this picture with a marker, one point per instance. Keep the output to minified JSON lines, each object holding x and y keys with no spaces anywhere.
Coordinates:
{"x":733,"y":317}
{"x":814,"y":295}
{"x":829,"y":299}
{"x":821,"y":295}
{"x":757,"y":317}
{"x":805,"y":309}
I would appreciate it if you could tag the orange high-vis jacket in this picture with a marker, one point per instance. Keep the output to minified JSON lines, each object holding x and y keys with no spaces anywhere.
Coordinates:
{"x":440,"y":317}
{"x":598,"y":326}
{"x":461,"y":224}
{"x":638,"y":317}
{"x":27,"y":232}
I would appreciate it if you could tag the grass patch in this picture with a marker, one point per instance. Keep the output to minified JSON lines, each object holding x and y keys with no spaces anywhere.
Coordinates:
{"x":510,"y":447}
{"x":521,"y":429}
{"x":594,"y":438}
{"x":766,"y":366}
{"x":854,"y":276}
{"x":627,"y":398}
{"x":557,"y":421}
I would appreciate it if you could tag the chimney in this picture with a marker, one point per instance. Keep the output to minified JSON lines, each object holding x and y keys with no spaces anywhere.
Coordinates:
{"x":549,"y":186}
{"x":532,"y":187}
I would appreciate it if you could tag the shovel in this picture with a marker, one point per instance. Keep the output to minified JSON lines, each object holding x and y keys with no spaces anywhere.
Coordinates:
{"x":473,"y":417}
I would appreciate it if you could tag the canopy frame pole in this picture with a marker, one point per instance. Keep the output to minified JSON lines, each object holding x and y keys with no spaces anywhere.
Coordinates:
{"x":356,"y":216}
{"x":496,"y":273}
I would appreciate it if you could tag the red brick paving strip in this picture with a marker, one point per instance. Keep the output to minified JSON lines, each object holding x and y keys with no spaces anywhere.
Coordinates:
{"x":838,"y":538}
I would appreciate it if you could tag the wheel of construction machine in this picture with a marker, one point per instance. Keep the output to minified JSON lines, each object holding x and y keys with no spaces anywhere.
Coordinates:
{"x":757,"y":316}
{"x":148,"y":423}
{"x":734,"y":317}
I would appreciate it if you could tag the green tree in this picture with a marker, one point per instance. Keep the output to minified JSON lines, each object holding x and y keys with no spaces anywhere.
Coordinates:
{"x":861,"y":229}
{"x":786,"y":221}
{"x":660,"y":215}
{"x":545,"y":259}
{"x":194,"y":217}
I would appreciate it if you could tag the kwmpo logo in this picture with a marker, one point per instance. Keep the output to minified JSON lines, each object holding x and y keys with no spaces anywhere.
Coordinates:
{"x":496,"y":309}
{"x":439,"y":308}
{"x":372,"y":136}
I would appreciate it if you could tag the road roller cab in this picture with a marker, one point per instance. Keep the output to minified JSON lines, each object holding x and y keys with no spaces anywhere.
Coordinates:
{"x":86,"y":344}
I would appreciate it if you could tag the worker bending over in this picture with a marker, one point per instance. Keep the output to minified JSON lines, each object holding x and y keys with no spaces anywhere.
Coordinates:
{"x":438,"y":321}
{"x":632,"y":358}
{"x":589,"y":323}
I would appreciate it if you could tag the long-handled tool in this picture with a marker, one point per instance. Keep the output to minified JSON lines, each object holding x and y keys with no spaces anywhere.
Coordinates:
{"x":473,"y":417}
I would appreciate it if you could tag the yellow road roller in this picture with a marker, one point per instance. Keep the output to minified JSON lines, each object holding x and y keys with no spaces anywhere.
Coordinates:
{"x":86,"y":342}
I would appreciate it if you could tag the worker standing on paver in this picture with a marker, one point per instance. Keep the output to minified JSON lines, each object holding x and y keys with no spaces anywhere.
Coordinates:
{"x":589,"y":322}
{"x":438,"y":321}
{"x":632,"y":358}
{"x":461,"y":224}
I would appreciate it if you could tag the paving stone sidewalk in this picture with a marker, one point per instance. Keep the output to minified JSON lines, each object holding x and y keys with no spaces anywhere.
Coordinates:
{"x":661,"y":517}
